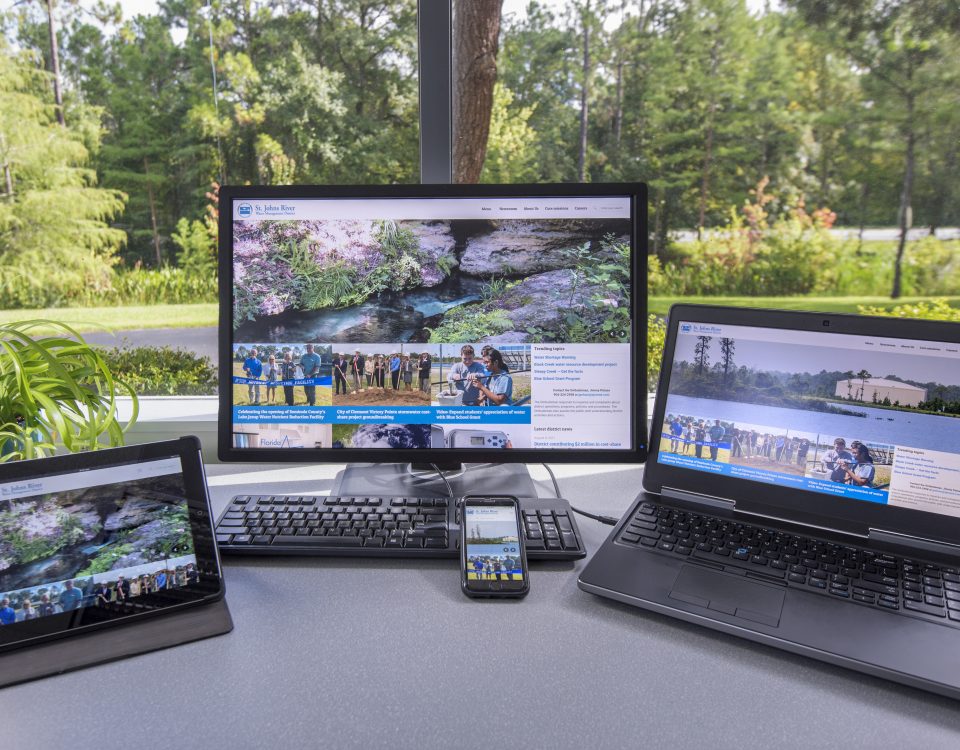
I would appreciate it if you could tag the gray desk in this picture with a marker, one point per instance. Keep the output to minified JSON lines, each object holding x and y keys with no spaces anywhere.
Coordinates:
{"x":360,"y":653}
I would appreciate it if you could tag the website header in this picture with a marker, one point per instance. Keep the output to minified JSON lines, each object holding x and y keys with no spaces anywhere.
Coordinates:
{"x":825,"y":338}
{"x":93,"y":478}
{"x":583,"y":207}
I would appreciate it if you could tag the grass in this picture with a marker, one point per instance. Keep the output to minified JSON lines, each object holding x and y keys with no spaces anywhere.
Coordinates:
{"x":660,"y":305}
{"x":133,"y":317}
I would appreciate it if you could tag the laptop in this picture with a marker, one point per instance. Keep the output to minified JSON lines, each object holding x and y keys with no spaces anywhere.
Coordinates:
{"x":803,"y":490}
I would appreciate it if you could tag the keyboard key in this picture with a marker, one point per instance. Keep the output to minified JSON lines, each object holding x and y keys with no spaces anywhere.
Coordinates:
{"x":797,"y":578}
{"x":863,"y":598}
{"x":223,"y":538}
{"x":924,"y":608}
{"x":840,"y":592}
{"x":815,"y":582}
{"x":888,"y":604}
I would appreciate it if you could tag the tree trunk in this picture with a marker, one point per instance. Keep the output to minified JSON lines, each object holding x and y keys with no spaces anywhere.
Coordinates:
{"x":476,"y":39}
{"x":864,"y":192}
{"x":584,"y":92}
{"x":153,"y":212}
{"x":8,"y":181}
{"x":55,"y":62}
{"x":906,"y":196}
{"x":618,"y":114}
{"x":708,"y":149}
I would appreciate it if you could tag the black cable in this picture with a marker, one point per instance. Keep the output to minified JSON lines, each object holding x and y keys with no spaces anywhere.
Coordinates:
{"x":609,"y":520}
{"x":449,"y":488}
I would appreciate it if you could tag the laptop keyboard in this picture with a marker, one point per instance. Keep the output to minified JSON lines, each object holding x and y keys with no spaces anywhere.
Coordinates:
{"x":885,"y":581}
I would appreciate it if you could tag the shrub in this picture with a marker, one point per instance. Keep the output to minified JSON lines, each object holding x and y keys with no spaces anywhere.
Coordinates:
{"x":162,"y":371}
{"x":197,"y":248}
{"x":166,"y":285}
{"x":937,"y":309}
{"x":656,"y":335}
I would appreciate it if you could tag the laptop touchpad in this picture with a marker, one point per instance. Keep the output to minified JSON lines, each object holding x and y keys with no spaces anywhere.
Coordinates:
{"x":728,"y":594}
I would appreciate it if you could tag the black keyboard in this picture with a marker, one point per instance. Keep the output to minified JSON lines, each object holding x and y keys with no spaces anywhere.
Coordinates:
{"x":380,"y":527}
{"x":889,"y":582}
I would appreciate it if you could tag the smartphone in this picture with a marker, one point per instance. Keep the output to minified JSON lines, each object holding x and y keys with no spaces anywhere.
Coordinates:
{"x":493,"y":559}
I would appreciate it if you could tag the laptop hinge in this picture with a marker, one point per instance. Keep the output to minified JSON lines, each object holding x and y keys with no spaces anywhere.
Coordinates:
{"x":914,"y":542}
{"x":709,"y":501}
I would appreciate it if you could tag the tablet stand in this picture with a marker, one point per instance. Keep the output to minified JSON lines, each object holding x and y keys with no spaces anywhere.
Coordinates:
{"x":87,"y":649}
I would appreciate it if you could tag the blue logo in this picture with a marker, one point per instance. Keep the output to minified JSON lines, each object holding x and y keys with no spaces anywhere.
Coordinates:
{"x":245,"y":210}
{"x":685,"y":328}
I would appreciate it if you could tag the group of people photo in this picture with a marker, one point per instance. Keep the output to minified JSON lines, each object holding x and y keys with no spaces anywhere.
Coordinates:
{"x":52,"y":599}
{"x":364,"y":378}
{"x":697,"y":437}
{"x":484,"y":382}
{"x":856,"y":464}
{"x":493,"y":568}
{"x":266,"y":375}
{"x":776,"y":450}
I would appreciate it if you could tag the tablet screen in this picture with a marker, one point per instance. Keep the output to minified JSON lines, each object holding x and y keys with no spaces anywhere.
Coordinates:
{"x":95,"y":543}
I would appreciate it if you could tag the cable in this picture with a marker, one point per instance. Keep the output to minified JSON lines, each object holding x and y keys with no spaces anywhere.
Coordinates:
{"x":609,"y":520}
{"x":449,"y":488}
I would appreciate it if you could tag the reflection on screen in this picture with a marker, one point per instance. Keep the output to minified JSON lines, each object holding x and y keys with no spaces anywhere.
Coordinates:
{"x":493,"y":544}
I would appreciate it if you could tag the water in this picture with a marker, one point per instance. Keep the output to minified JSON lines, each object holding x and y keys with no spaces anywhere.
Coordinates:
{"x":394,"y":318}
{"x":879,"y":426}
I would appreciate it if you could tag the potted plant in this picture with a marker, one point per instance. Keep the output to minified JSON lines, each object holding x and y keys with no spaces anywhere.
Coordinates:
{"x":55,"y":390}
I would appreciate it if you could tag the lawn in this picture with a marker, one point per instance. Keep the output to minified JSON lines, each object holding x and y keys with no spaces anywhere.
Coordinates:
{"x":133,"y":317}
{"x":660,"y":305}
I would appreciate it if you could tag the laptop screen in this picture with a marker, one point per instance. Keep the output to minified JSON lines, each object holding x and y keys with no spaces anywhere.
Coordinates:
{"x":863,"y":417}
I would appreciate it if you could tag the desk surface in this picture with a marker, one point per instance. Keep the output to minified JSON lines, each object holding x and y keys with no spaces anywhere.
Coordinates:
{"x":387,"y":653}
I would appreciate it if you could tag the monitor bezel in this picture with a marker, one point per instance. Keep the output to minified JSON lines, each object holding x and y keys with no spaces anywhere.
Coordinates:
{"x":637,"y":193}
{"x":802,"y":506}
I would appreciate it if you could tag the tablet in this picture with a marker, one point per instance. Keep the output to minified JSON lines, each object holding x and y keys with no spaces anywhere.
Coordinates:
{"x":99,"y":539}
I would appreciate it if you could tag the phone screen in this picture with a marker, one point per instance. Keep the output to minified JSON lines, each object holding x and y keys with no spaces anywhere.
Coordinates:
{"x":492,"y":543}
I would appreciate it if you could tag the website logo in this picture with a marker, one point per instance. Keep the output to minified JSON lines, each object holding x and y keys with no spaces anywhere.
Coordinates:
{"x":245,"y":210}
{"x":686,"y":328}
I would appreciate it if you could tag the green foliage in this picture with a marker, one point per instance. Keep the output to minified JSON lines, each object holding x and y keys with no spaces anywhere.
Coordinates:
{"x":162,"y":371}
{"x":656,"y":335}
{"x":154,"y":286}
{"x":55,"y":390}
{"x":446,"y":264}
{"x":512,"y":143}
{"x":54,"y":237}
{"x":606,"y":315}
{"x":318,"y":285}
{"x":24,"y":550}
{"x":197,"y":250}
{"x":105,"y":559}
{"x":938,"y":309}
{"x":470,"y":323}
{"x":176,"y":520}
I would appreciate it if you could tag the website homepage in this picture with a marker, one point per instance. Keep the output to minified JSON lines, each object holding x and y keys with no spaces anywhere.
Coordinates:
{"x":93,"y":538}
{"x":498,"y":323}
{"x":870,"y":418}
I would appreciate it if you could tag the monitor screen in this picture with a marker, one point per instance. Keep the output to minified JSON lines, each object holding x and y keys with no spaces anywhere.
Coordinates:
{"x":867,"y":418}
{"x":467,"y":318}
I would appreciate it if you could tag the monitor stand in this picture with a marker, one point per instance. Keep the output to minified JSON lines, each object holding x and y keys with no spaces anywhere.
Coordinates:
{"x":421,"y":480}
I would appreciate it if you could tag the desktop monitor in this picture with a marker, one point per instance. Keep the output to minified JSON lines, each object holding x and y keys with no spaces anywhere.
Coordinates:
{"x":433,"y":324}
